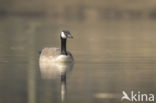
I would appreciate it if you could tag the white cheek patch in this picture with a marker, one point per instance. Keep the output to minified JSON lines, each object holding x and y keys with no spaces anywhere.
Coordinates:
{"x":63,"y":35}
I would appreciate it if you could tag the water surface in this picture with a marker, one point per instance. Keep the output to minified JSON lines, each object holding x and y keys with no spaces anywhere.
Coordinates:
{"x":110,"y":56}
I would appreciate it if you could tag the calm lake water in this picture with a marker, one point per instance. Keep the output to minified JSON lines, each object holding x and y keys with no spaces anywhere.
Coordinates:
{"x":111,"y":56}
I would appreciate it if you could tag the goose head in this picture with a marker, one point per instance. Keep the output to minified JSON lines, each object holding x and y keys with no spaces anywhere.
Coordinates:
{"x":66,"y":34}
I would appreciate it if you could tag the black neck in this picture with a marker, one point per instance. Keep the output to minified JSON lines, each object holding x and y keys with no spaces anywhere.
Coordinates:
{"x":63,"y":46}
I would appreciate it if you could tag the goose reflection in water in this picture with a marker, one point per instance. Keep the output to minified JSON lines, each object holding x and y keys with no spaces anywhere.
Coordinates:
{"x":55,"y":70}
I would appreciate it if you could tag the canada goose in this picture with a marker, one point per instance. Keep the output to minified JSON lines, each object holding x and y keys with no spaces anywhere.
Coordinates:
{"x":56,"y":54}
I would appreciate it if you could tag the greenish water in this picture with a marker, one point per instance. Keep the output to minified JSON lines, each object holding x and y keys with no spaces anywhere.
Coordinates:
{"x":110,"y":56}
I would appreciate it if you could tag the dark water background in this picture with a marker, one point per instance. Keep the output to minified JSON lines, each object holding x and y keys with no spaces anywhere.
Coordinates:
{"x":113,"y":47}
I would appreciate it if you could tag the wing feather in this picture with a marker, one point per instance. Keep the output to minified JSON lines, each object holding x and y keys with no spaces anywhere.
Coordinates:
{"x":51,"y":52}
